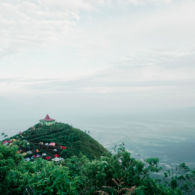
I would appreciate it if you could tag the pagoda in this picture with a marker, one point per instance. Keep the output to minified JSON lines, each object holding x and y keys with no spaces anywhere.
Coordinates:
{"x":47,"y":121}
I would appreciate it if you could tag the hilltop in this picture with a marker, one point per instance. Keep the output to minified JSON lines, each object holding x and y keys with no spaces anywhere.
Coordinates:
{"x":67,"y":141}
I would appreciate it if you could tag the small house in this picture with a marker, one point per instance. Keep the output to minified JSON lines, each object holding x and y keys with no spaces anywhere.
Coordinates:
{"x":47,"y":121}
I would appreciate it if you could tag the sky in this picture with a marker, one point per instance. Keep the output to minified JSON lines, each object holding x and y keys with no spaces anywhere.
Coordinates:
{"x":95,"y":56}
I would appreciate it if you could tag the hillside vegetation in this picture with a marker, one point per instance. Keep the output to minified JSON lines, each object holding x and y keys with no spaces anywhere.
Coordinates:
{"x":76,"y":141}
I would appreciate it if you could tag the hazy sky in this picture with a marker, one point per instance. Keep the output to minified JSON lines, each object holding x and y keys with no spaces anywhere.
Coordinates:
{"x":88,"y":56}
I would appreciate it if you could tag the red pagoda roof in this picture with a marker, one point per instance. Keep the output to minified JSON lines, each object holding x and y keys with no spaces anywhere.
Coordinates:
{"x":47,"y":118}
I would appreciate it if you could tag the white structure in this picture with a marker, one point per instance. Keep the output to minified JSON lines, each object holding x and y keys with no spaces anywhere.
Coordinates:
{"x":47,"y":121}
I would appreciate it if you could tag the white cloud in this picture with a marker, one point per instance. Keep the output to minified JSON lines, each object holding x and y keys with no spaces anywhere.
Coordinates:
{"x":144,"y":49}
{"x":143,"y":2}
{"x":161,"y":71}
{"x":32,"y":23}
{"x":28,"y":23}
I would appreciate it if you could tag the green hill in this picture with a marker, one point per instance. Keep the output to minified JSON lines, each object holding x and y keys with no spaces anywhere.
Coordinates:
{"x":76,"y":141}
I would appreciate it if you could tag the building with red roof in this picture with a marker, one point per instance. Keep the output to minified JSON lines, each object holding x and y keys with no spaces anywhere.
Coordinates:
{"x":47,"y":121}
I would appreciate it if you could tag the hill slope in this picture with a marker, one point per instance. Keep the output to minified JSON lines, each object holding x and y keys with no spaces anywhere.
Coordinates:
{"x":75,"y":141}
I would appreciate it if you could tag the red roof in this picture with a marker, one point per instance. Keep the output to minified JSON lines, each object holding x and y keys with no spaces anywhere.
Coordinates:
{"x":47,"y":118}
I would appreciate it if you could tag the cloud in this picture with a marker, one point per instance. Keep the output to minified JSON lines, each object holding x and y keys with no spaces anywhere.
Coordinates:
{"x":140,"y":76}
{"x":103,"y":47}
{"x":32,"y":23}
{"x":143,"y":2}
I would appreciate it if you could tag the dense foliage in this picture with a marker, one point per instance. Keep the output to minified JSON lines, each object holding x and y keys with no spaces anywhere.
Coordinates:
{"x":86,"y":167}
{"x":118,"y":173}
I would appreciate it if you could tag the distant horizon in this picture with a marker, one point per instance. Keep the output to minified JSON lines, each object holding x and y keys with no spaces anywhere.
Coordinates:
{"x":13,"y":124}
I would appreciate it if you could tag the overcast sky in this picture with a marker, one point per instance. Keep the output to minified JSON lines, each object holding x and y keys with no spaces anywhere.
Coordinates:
{"x":67,"y":56}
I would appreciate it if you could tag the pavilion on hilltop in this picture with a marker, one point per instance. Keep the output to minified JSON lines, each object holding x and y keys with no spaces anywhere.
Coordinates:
{"x":47,"y":121}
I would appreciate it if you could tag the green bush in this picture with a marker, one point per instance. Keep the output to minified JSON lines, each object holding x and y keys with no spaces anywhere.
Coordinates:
{"x":116,"y":173}
{"x":37,"y":177}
